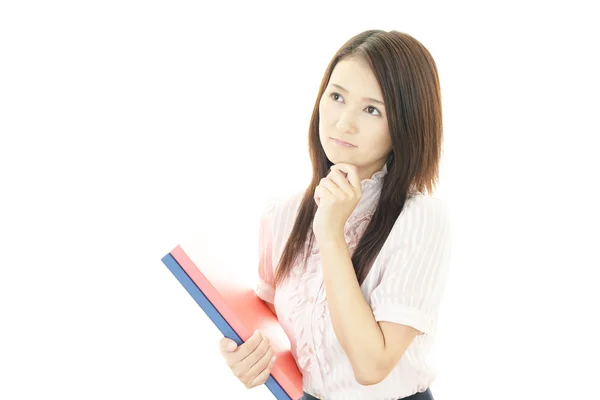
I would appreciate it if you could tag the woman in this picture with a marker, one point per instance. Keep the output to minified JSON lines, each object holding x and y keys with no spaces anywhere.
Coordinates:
{"x":355,"y":266}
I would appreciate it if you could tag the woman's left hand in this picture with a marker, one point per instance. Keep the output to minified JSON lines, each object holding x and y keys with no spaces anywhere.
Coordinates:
{"x":336,"y":196}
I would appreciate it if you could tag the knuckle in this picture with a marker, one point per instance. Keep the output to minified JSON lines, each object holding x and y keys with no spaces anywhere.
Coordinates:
{"x":249,"y":346}
{"x":266,"y":342}
{"x":266,"y":361}
{"x":245,"y":378}
{"x":258,"y":346}
{"x":263,"y":362}
{"x":259,"y":353}
{"x":239,"y":371}
{"x":269,"y":353}
{"x":261,"y":350}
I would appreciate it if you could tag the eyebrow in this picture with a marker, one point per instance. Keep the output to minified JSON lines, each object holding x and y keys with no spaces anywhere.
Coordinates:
{"x":367,"y":98}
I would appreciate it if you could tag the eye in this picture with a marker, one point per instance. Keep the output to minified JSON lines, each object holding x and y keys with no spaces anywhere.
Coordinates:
{"x":335,"y":96}
{"x":371,"y":109}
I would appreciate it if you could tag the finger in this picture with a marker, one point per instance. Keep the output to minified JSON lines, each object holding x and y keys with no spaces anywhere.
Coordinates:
{"x":244,"y":349}
{"x":264,"y":375}
{"x":320,"y":193}
{"x":333,"y":188}
{"x":340,"y":180}
{"x":260,"y":366}
{"x":241,"y":369}
{"x":227,"y":345}
{"x":351,"y":173}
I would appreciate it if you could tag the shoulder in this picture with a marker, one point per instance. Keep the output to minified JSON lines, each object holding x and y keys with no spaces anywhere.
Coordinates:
{"x":282,"y":207}
{"x":423,"y":205}
{"x":422,"y":216}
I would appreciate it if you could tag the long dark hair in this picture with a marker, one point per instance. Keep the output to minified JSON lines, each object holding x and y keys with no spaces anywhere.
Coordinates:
{"x":407,"y":75}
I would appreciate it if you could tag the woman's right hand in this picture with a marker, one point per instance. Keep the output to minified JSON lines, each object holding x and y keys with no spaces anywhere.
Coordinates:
{"x":252,"y":361}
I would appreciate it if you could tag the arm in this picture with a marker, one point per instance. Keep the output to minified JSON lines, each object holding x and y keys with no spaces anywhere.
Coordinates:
{"x":374,"y":348}
{"x":405,"y":301}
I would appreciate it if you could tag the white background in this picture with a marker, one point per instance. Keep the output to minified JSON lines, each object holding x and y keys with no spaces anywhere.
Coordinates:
{"x":128,"y":126}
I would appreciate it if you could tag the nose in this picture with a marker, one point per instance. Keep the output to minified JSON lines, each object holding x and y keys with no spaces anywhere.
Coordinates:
{"x":346,"y":123}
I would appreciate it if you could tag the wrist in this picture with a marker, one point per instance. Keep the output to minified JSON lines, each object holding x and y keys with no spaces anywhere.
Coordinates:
{"x":335,"y":242}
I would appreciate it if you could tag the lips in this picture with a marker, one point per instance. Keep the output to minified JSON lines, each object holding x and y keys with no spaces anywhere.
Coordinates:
{"x":342,"y":142}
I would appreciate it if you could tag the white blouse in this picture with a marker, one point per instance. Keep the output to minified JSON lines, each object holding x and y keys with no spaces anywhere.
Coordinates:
{"x":405,"y":285}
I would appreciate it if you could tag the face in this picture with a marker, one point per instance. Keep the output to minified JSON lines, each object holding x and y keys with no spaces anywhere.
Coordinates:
{"x":352,"y":110}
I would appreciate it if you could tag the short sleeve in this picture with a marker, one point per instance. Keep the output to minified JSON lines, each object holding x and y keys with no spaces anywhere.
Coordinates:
{"x":265,"y":287}
{"x":414,"y":277}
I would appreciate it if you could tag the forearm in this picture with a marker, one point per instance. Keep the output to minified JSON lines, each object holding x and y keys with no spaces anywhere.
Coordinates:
{"x":351,"y":316}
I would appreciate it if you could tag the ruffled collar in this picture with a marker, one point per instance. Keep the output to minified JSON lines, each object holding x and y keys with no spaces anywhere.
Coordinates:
{"x":371,"y":189}
{"x":375,"y":180}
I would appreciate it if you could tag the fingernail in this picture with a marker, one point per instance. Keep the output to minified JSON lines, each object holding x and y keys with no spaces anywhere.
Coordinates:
{"x":273,"y":359}
{"x":230,"y":347}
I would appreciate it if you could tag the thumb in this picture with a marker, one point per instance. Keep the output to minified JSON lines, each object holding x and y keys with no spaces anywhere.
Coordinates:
{"x":227,"y":344}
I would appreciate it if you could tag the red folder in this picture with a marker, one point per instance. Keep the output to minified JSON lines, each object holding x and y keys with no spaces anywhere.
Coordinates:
{"x":243,"y":310}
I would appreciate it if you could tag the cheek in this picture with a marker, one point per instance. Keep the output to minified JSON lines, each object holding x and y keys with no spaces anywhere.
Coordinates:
{"x":379,"y":134}
{"x":384,"y":140}
{"x":326,"y":113}
{"x":322,"y":122}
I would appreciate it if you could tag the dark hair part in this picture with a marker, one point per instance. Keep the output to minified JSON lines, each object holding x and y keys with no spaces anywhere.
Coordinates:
{"x":408,"y":78}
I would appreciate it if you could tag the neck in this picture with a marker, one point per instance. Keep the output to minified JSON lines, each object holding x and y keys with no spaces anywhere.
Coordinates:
{"x":368,"y":171}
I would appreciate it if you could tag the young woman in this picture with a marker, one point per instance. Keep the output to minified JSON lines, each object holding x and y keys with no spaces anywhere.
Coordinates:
{"x":355,"y":266}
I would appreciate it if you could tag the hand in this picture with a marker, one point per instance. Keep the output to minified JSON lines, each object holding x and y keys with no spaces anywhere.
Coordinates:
{"x":336,"y":196}
{"x":252,"y":361}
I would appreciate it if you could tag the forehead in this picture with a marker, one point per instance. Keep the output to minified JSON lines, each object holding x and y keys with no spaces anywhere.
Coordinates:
{"x":356,"y":76}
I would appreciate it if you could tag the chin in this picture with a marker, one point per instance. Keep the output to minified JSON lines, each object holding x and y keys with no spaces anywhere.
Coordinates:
{"x":335,"y":155}
{"x":331,"y":156}
{"x":338,"y":159}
